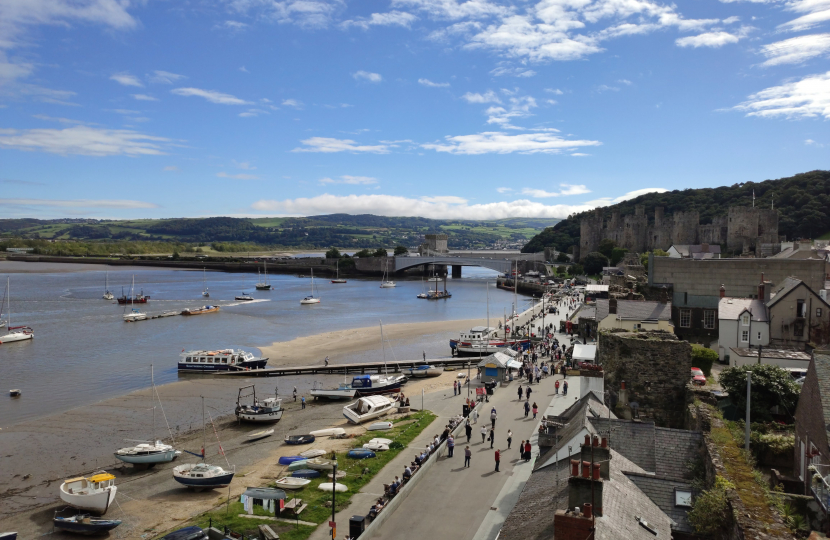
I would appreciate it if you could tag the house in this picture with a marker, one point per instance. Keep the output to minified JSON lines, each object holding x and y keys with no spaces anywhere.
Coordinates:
{"x":742,"y":322}
{"x":795,"y":362}
{"x":692,"y":251}
{"x":798,"y":315}
{"x":633,"y":315}
{"x":812,"y":421}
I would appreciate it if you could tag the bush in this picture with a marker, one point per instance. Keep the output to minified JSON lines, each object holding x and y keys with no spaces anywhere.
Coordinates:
{"x":710,"y":509}
{"x":771,"y":386}
{"x":380,"y":252}
{"x":594,"y":263}
{"x":562,"y":257}
{"x":576,"y":270}
{"x":401,"y":250}
{"x":333,"y":253}
{"x":703,"y":358}
{"x":363,"y":253}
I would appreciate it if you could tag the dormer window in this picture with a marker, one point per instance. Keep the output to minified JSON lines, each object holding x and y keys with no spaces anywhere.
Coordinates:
{"x":745,"y":319}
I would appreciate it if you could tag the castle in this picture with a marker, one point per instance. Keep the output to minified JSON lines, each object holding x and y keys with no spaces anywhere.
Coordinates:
{"x":741,"y":230}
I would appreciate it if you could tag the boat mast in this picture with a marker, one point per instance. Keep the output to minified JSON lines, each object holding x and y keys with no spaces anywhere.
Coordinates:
{"x":383,"y":348}
{"x":204,"y":432}
{"x":9,"y":303}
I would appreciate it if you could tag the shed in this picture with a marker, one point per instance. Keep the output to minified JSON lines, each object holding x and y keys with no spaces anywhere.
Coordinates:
{"x":584,"y":353}
{"x":495,"y":366}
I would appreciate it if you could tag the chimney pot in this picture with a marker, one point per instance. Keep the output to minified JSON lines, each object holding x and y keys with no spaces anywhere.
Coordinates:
{"x":622,"y":387}
{"x":612,"y":306}
{"x":604,"y":442}
{"x":588,"y":510}
{"x":596,"y":471}
{"x":586,"y":470}
{"x":722,"y":291}
{"x":574,"y":467}
{"x":596,"y":440}
{"x":587,"y":440}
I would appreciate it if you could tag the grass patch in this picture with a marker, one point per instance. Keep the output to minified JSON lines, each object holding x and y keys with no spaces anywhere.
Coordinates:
{"x":404,"y":432}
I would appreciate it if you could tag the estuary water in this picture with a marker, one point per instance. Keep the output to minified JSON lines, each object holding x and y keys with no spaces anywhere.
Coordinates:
{"x":83,"y":352}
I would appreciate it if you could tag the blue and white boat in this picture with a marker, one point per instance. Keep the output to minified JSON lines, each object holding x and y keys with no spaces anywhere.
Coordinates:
{"x":424,"y":371}
{"x":202,"y":475}
{"x":221,"y":360}
{"x":148,"y":453}
{"x":370,"y":385}
{"x":85,"y":524}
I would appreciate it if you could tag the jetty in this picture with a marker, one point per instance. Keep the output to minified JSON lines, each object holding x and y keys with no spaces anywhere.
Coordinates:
{"x":393,"y":366}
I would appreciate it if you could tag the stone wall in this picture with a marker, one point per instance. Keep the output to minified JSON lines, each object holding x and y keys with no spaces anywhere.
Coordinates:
{"x":655,"y":367}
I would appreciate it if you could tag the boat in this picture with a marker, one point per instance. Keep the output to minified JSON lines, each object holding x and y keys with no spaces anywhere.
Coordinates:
{"x":107,"y":294}
{"x":320,"y":464}
{"x":306,"y":473}
{"x":263,"y":285}
{"x":244,"y":297}
{"x":424,"y":371}
{"x":338,"y":279}
{"x":133,"y":298}
{"x":434,"y":279}
{"x":340,"y":474}
{"x":299,"y":439}
{"x":200,"y":311}
{"x":368,"y":408}
{"x":168,"y":313}
{"x":313,"y":453}
{"x":308,"y":300}
{"x":205,"y":291}
{"x":289,"y":482}
{"x":257,"y":435}
{"x":378,"y":445}
{"x":84,"y":524}
{"x":152,"y":452}
{"x":384,"y":281}
{"x":330,"y":432}
{"x":15,"y":392}
{"x":95,"y":493}
{"x":267,"y":410}
{"x":135,"y":314}
{"x":298,"y":465}
{"x":380,"y":426}
{"x":220,"y":360}
{"x":360,"y":453}
{"x":343,"y":391}
{"x":202,"y":475}
{"x":288,"y":460}
{"x":328,"y":486}
{"x":8,"y":536}
{"x":370,"y":385}
{"x":16,"y":333}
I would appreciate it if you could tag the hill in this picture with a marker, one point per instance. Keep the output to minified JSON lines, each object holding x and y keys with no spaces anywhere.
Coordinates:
{"x":803,"y":203}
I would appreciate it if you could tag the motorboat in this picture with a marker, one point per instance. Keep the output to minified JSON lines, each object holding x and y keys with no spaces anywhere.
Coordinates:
{"x":135,"y":315}
{"x":15,"y":392}
{"x":306,"y":473}
{"x":257,"y":435}
{"x":424,"y":371}
{"x":84,"y":524}
{"x":148,"y":453}
{"x":330,"y":432}
{"x":338,"y":279}
{"x":200,"y":311}
{"x":299,"y":439}
{"x":438,"y":295}
{"x":329,"y":486}
{"x":289,"y":482}
{"x":370,"y":385}
{"x":313,"y":453}
{"x":94,"y":493}
{"x":266,"y":410}
{"x":263,"y":285}
{"x":244,"y":297}
{"x":8,"y":536}
{"x":343,"y":391}
{"x":368,"y":408}
{"x":107,"y":294}
{"x":320,"y":464}
{"x":220,"y":360}
{"x":202,"y":476}
{"x":308,"y":300}
{"x":16,"y":333}
{"x":380,"y":426}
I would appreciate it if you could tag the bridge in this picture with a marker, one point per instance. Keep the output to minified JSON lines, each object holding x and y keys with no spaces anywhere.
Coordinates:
{"x":499,"y":265}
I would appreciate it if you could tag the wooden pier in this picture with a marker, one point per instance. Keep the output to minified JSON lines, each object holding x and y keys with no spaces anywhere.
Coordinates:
{"x":395,"y":366}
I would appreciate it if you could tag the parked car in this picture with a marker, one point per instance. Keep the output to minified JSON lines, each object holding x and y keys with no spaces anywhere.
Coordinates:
{"x":698,"y":377}
{"x":696,"y":371}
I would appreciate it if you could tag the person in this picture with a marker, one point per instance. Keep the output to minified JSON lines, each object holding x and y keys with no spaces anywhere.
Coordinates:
{"x":556,"y":387}
{"x":295,"y":393}
{"x":474,"y":414}
{"x":493,"y":417}
{"x":564,"y":388}
{"x":492,"y":437}
{"x":468,"y":429}
{"x":326,"y":361}
{"x":483,"y":434}
{"x":527,"y":408}
{"x":528,"y":449}
{"x":509,"y":438}
{"x":450,"y":445}
{"x":407,"y":473}
{"x":522,"y":449}
{"x":498,"y":459}
{"x":455,"y":388}
{"x":529,"y":390}
{"x":535,"y":410}
{"x":467,"y":455}
{"x":302,"y":400}
{"x":425,"y":356}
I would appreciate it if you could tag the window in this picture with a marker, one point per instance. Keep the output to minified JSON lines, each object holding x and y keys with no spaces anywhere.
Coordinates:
{"x":745,"y":319}
{"x":818,"y":312}
{"x":800,"y":309}
{"x":798,"y":328}
{"x":744,"y":336}
{"x":759,"y":336}
{"x":709,"y":319}
{"x":685,"y":318}
{"x":682,"y":498}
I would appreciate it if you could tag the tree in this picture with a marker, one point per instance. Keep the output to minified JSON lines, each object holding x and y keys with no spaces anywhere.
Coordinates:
{"x":562,"y":257}
{"x":401,"y":250}
{"x":771,"y":386}
{"x":606,"y":247}
{"x":333,"y":253}
{"x":576,"y":270}
{"x":380,"y":252}
{"x":363,"y":253}
{"x":657,"y":253}
{"x":594,"y":263}
{"x":617,"y":255}
{"x":703,"y":358}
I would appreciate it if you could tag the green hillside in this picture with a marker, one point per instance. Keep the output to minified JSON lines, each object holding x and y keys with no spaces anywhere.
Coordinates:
{"x":803,"y":203}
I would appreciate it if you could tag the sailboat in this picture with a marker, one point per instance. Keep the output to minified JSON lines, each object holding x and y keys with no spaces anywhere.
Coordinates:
{"x":439,"y":295}
{"x":107,"y":294}
{"x":369,"y":385}
{"x":384,"y":282}
{"x":134,"y":314}
{"x":2,"y":322}
{"x":152,"y":452}
{"x":264,"y":285}
{"x":200,"y":476}
{"x":337,"y":279}
{"x":16,"y":333}
{"x":205,"y":292}
{"x":310,"y":299}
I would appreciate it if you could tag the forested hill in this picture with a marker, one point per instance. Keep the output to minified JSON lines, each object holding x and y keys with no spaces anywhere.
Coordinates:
{"x":803,"y":203}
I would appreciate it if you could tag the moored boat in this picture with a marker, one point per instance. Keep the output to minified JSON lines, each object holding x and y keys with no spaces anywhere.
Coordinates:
{"x":266,"y":410}
{"x":288,"y":460}
{"x":329,"y":432}
{"x":16,"y":333}
{"x":360,"y":453}
{"x":313,"y":453}
{"x":220,"y":360}
{"x":299,"y":439}
{"x":298,"y":465}
{"x":308,"y":300}
{"x":147,"y":453}
{"x":84,"y":524}
{"x":329,"y":486}
{"x":380,"y":426}
{"x":245,"y":297}
{"x":202,"y":476}
{"x":424,"y":371}
{"x":94,"y":493}
{"x":257,"y":435}
{"x":370,"y":385}
{"x":343,"y":391}
{"x":200,"y":311}
{"x":338,"y":279}
{"x":321,"y":464}
{"x":368,"y":408}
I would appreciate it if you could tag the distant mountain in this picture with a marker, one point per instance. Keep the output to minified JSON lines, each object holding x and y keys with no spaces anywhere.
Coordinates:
{"x":803,"y":203}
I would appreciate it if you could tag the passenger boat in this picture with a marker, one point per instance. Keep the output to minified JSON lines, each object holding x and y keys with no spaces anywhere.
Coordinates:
{"x":85,"y":524}
{"x":16,"y":333}
{"x":424,"y":371}
{"x":267,"y":410}
{"x":202,"y":475}
{"x":482,"y":340}
{"x":299,"y":439}
{"x":338,"y":279}
{"x":370,"y":385}
{"x":368,"y":408}
{"x":330,"y":432}
{"x":343,"y":391}
{"x":95,"y":493}
{"x":200,"y":311}
{"x":263,"y":285}
{"x":257,"y":435}
{"x":308,"y":300}
{"x":289,"y":482}
{"x":219,"y":360}
{"x":244,"y":297}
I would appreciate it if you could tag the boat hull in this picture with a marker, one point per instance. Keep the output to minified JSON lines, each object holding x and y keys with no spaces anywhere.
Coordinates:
{"x":299,"y":439}
{"x":143,"y":300}
{"x":334,"y":394}
{"x":468,"y":348}
{"x":292,"y":483}
{"x":205,"y":483}
{"x":260,"y":435}
{"x":207,"y":368}
{"x":16,"y":336}
{"x":94,"y":526}
{"x":96,"y":502}
{"x":330,"y":432}
{"x":267,"y":417}
{"x":359,"y":419}
{"x":158,"y":457}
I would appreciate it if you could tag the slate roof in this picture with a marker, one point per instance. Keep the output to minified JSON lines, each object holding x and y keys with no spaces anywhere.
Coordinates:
{"x":688,"y":250}
{"x":731,"y":308}
{"x":786,"y":286}
{"x":661,"y":492}
{"x":635,"y":310}
{"x":587,"y":312}
{"x":634,"y":439}
{"x":673,"y":450}
{"x":822,"y":363}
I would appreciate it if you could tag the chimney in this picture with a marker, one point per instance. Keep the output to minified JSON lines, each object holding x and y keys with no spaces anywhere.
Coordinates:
{"x":566,"y":525}
{"x":588,"y":510}
{"x":761,"y":288}
{"x":612,"y":306}
{"x":767,"y":291}
{"x":722,"y":291}
{"x":704,"y":248}
{"x":579,"y":495}
{"x":664,"y":295}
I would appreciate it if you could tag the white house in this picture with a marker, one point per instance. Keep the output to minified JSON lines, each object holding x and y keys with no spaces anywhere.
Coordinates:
{"x":742,"y":323}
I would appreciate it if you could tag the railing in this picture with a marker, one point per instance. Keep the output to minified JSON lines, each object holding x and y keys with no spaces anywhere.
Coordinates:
{"x":821,"y":485}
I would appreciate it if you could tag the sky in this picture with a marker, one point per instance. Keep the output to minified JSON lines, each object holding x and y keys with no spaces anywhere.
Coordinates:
{"x":477,"y":109}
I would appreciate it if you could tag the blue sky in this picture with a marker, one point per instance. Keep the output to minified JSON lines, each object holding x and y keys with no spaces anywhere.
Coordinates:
{"x":439,"y":108}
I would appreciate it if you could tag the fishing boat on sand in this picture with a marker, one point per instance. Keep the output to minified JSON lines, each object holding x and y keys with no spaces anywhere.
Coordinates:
{"x":266,"y":410}
{"x":84,"y":524}
{"x":94,"y":493}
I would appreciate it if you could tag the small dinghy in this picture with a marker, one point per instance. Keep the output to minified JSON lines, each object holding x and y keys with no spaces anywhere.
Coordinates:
{"x":8,"y":535}
{"x":360,"y":453}
{"x":297,"y":465}
{"x":257,"y":435}
{"x":376,"y":446}
{"x":299,"y":439}
{"x":313,"y":453}
{"x":379,"y":426}
{"x":288,"y":460}
{"x":306,"y":473}
{"x":330,"y":432}
{"x":289,"y":482}
{"x":340,"y":474}
{"x":328,"y":486}
{"x":321,"y":464}
{"x":84,"y":524}
{"x":14,"y":392}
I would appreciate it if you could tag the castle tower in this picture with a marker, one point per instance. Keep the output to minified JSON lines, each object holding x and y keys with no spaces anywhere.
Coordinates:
{"x":685,"y":228}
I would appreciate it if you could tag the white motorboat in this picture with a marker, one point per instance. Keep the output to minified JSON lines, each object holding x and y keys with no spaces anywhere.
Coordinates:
{"x":308,"y":300}
{"x":95,"y":493}
{"x":328,"y":486}
{"x":343,"y":391}
{"x":107,"y":294}
{"x":380,"y":426}
{"x":220,"y":360}
{"x":320,"y":464}
{"x":313,"y":453}
{"x":135,"y":315}
{"x":330,"y":432}
{"x":368,"y":408}
{"x":202,"y":475}
{"x":378,"y":445}
{"x":147,"y":453}
{"x":16,"y":333}
{"x":266,"y":410}
{"x":385,"y":283}
{"x":257,"y":435}
{"x":245,"y":297}
{"x":289,"y":482}
{"x":205,"y":291}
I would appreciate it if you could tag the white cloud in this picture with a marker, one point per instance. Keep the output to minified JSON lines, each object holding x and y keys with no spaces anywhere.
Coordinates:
{"x":487,"y":97}
{"x":811,"y":142}
{"x":233,"y":25}
{"x":808,"y":97}
{"x":579,"y":154}
{"x":59,"y":120}
{"x":165,"y":77}
{"x":796,"y":50}
{"x":708,"y":39}
{"x":367,"y":76}
{"x":568,"y":189}
{"x":79,"y":203}
{"x":391,"y":18}
{"x":244,"y":165}
{"x":237,"y":176}
{"x":606,"y":88}
{"x":504,"y":189}
{"x":303,"y":13}
{"x":170,"y":168}
{"x":427,"y":82}
{"x":253,"y":113}
{"x":330,"y":145}
{"x":126,"y":79}
{"x":243,"y":69}
{"x":503,"y":143}
{"x":504,"y":70}
{"x":454,"y":9}
{"x":353,"y":180}
{"x":555,"y":91}
{"x":46,"y":95}
{"x":293,"y":103}
{"x":143,"y":97}
{"x":83,"y":140}
{"x":519,"y":107}
{"x":815,"y":12}
{"x":210,"y":95}
{"x":605,"y":201}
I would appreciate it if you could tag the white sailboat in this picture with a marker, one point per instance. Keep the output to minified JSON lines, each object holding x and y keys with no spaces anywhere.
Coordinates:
{"x":310,"y":299}
{"x":337,"y":279}
{"x":135,"y":314}
{"x":205,"y":292}
{"x":384,"y":282}
{"x":263,"y":285}
{"x":16,"y":333}
{"x":107,"y":294}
